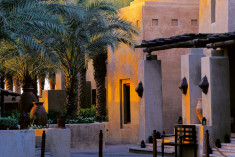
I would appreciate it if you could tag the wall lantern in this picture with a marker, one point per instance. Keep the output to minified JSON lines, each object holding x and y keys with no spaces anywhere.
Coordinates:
{"x":139,"y":90}
{"x":204,"y":85}
{"x":183,"y":86}
{"x":180,"y":120}
{"x":204,"y":121}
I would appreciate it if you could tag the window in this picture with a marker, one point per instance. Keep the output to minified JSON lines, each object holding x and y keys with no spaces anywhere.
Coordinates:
{"x":154,"y":22}
{"x":194,"y":22}
{"x":213,"y":10}
{"x":126,"y":103}
{"x":174,"y":22}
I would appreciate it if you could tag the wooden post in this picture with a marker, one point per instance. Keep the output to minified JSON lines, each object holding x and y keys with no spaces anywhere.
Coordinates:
{"x":43,"y":144}
{"x":154,"y":144}
{"x":207,"y":144}
{"x":101,"y":144}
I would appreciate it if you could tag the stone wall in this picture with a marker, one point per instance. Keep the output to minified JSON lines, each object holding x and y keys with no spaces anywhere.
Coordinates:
{"x":20,"y":143}
{"x":54,"y":100}
{"x":84,"y":136}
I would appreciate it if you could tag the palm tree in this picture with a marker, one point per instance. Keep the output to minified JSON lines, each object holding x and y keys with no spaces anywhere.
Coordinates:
{"x":71,"y":48}
{"x":26,"y":20}
{"x":121,"y":31}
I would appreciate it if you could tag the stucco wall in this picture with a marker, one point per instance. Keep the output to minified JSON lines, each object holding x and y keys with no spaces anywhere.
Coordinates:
{"x":221,"y":22}
{"x":171,"y":74}
{"x":123,"y":64}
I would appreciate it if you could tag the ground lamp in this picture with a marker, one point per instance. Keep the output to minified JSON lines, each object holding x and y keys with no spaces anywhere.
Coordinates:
{"x":150,"y":139}
{"x":180,"y":120}
{"x":142,"y":145}
{"x":204,"y":121}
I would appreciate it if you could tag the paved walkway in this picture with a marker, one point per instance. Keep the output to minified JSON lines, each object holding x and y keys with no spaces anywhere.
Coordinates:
{"x":109,"y":151}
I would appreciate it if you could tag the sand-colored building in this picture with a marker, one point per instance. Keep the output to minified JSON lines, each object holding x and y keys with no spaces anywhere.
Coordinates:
{"x":156,"y":19}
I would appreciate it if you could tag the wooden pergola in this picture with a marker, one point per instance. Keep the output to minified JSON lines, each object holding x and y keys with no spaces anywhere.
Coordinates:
{"x":189,"y":40}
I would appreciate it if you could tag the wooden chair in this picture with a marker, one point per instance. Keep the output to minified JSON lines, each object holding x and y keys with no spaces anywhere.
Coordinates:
{"x":184,"y":135}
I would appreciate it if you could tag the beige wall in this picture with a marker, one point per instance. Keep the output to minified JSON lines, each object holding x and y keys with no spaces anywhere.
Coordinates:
{"x":221,"y":23}
{"x":123,"y":64}
{"x":171,"y":74}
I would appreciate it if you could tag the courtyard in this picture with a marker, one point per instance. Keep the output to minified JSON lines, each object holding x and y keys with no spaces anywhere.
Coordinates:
{"x":113,"y":78}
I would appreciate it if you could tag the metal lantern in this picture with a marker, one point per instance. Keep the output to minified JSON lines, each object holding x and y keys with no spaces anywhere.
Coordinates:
{"x":180,"y":120}
{"x":204,"y":85}
{"x":183,"y":86}
{"x":139,"y":90}
{"x":142,"y":145}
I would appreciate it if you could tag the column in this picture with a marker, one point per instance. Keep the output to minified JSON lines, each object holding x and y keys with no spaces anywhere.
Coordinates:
{"x":216,"y":102}
{"x":60,"y":80}
{"x":150,"y":107}
{"x":191,"y":70}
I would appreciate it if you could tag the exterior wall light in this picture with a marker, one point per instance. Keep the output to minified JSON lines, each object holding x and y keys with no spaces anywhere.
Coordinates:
{"x":204,"y":85}
{"x":183,"y":86}
{"x":139,"y":90}
{"x":204,"y":121}
{"x":180,"y":120}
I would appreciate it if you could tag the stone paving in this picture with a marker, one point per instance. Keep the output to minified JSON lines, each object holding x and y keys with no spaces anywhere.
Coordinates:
{"x":109,"y":151}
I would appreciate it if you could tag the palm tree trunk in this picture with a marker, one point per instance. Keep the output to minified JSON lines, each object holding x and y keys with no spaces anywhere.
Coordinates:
{"x":71,"y":88}
{"x":82,"y":88}
{"x":2,"y":84}
{"x":52,"y":80}
{"x":100,"y":71}
{"x":35,"y":86}
{"x":9,"y":82}
{"x":41,"y":80}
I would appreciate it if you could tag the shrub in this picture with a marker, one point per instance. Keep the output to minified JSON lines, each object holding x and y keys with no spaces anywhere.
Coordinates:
{"x":80,"y":120}
{"x":88,"y":112}
{"x":14,"y":114}
{"x":8,"y":123}
{"x":52,"y":116}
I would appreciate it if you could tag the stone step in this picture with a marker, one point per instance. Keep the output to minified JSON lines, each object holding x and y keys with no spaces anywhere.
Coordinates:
{"x":38,"y":153}
{"x":225,"y":151}
{"x":232,"y":140}
{"x":159,"y":146}
{"x":213,"y":155}
{"x":232,"y":135}
{"x":230,"y":146}
{"x":150,"y":151}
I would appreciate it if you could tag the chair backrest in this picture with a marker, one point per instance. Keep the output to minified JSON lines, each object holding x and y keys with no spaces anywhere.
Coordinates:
{"x":187,"y":133}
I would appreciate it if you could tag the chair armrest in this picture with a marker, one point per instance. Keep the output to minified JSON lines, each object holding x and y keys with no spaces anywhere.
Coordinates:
{"x":167,"y":135}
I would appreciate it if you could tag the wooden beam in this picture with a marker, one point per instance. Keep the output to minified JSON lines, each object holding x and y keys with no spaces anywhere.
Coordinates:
{"x":221,"y":44}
